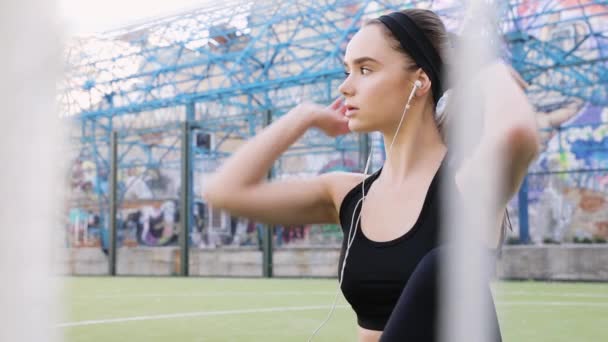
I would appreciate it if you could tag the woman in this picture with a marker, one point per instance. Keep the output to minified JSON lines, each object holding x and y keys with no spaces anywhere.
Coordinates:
{"x":392,"y":63}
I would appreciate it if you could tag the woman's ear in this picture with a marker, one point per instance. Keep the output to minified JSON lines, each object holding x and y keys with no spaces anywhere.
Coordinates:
{"x":426,"y":83}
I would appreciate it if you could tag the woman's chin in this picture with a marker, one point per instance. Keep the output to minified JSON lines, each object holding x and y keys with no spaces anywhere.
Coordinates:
{"x":357,"y":126}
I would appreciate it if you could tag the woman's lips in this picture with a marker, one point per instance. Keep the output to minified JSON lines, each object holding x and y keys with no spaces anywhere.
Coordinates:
{"x":350,"y":111}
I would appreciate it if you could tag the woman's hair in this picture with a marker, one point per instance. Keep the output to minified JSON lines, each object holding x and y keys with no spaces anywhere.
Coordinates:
{"x":432,"y":27}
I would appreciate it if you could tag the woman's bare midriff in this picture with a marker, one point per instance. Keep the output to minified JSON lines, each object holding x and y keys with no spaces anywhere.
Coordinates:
{"x":366,"y":335}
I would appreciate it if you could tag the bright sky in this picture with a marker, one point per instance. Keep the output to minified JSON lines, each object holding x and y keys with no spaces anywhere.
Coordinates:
{"x":90,"y":16}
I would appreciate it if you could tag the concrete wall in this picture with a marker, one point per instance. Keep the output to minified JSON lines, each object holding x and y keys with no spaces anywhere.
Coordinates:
{"x":306,"y":262}
{"x":563,"y":262}
{"x":226,"y":262}
{"x":161,"y":261}
{"x":555,"y":262}
{"x":81,"y":261}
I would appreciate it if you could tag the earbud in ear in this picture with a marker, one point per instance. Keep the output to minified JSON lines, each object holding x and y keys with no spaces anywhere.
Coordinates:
{"x":418,"y":84}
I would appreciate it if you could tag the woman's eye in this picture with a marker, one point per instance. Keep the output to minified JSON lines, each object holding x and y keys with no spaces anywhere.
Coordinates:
{"x":364,"y":71}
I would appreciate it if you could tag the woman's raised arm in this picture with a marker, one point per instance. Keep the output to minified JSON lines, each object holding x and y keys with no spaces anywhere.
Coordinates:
{"x":240,"y":185}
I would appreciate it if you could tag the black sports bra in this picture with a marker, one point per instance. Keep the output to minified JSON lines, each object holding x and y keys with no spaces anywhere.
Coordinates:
{"x":377,"y":272}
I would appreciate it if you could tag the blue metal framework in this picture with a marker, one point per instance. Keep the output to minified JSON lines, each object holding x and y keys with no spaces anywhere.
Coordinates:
{"x":221,"y":67}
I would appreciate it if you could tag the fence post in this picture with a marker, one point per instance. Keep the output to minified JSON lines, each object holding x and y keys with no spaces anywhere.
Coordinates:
{"x":113,"y":203}
{"x":268,"y":229}
{"x":524,"y":231}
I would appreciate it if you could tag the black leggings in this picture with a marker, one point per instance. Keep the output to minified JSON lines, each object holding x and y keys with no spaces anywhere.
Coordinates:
{"x":415,"y":317}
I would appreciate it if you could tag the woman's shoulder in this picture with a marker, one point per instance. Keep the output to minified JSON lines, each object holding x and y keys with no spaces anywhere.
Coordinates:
{"x":341,"y":184}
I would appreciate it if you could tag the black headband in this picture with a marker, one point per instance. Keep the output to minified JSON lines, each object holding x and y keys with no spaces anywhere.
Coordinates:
{"x":416,"y":44}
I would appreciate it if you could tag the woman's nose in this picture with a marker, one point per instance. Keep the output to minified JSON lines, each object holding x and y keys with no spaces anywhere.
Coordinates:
{"x":346,"y":88}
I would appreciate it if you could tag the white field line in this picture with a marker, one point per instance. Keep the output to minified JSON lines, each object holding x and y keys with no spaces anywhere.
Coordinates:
{"x":289,"y":309}
{"x":197,"y":314}
{"x":207,"y":294}
{"x":540,"y":303}
{"x":499,"y":293}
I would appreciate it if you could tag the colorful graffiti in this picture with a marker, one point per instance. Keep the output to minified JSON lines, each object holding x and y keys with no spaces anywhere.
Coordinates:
{"x":83,"y":228}
{"x":156,"y":223}
{"x":568,"y":187}
{"x":153,"y":224}
{"x":568,"y":206}
{"x":86,"y":179}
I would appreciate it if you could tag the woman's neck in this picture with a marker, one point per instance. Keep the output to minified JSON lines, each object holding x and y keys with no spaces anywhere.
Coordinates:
{"x":417,"y":144}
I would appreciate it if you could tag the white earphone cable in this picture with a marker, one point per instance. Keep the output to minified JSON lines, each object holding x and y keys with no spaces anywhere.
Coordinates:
{"x":351,"y":239}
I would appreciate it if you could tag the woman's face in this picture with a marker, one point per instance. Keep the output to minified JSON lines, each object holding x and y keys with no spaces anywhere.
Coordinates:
{"x":377,"y":84}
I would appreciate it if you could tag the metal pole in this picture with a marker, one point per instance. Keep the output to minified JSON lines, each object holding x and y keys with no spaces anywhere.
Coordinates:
{"x":268,"y":229}
{"x":364,"y":143}
{"x":113,"y":202}
{"x":185,"y":199}
{"x":524,"y":230}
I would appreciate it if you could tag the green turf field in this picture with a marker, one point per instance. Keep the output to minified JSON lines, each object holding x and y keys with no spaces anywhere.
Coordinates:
{"x":207,"y":309}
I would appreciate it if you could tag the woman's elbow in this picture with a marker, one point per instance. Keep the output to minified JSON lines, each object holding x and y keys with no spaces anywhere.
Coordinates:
{"x":522,"y":147}
{"x":213,"y":193}
{"x":523,"y":142}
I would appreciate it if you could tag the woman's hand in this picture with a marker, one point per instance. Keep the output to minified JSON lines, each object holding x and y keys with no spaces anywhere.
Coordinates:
{"x":553,"y":119}
{"x":331,"y":119}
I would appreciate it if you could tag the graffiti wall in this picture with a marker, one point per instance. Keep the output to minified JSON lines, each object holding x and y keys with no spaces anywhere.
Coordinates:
{"x":567,"y":188}
{"x":148,"y":210}
{"x":568,"y":184}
